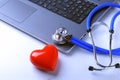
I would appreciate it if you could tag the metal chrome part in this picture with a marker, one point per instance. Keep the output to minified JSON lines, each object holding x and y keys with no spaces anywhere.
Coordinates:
{"x":59,"y":36}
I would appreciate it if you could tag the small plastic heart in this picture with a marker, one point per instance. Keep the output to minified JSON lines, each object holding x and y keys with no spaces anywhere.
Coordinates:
{"x":45,"y":59}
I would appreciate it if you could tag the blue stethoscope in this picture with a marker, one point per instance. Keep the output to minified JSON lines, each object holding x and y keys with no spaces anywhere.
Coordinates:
{"x":61,"y":36}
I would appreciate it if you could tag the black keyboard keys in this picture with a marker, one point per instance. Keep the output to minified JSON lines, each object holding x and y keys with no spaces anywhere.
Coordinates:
{"x":75,"y":10}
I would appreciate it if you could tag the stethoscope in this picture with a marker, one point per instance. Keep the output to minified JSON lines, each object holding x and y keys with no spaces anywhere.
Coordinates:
{"x":61,"y":36}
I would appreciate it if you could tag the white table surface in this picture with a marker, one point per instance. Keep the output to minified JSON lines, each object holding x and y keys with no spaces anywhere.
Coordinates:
{"x":15,"y":48}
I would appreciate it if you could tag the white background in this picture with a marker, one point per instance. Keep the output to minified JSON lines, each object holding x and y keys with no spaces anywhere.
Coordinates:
{"x":15,"y":48}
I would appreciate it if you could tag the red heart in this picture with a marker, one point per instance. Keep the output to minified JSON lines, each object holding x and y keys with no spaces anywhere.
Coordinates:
{"x":45,"y":59}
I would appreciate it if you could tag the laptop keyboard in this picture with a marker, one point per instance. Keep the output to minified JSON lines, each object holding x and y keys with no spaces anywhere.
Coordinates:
{"x":75,"y":10}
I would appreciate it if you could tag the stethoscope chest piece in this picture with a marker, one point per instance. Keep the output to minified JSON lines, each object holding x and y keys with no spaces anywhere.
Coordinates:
{"x":59,"y":36}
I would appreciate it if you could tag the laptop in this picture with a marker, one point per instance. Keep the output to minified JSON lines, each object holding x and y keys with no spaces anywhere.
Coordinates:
{"x":41,"y":18}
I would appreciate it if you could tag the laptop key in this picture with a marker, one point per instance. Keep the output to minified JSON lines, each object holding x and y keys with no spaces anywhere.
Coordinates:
{"x":35,"y":1}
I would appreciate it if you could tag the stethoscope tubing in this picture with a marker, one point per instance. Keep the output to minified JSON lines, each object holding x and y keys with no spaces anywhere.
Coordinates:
{"x":89,"y":47}
{"x":95,"y":49}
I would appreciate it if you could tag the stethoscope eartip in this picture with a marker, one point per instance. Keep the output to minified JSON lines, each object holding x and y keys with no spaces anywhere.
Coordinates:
{"x":91,"y":68}
{"x":117,"y":65}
